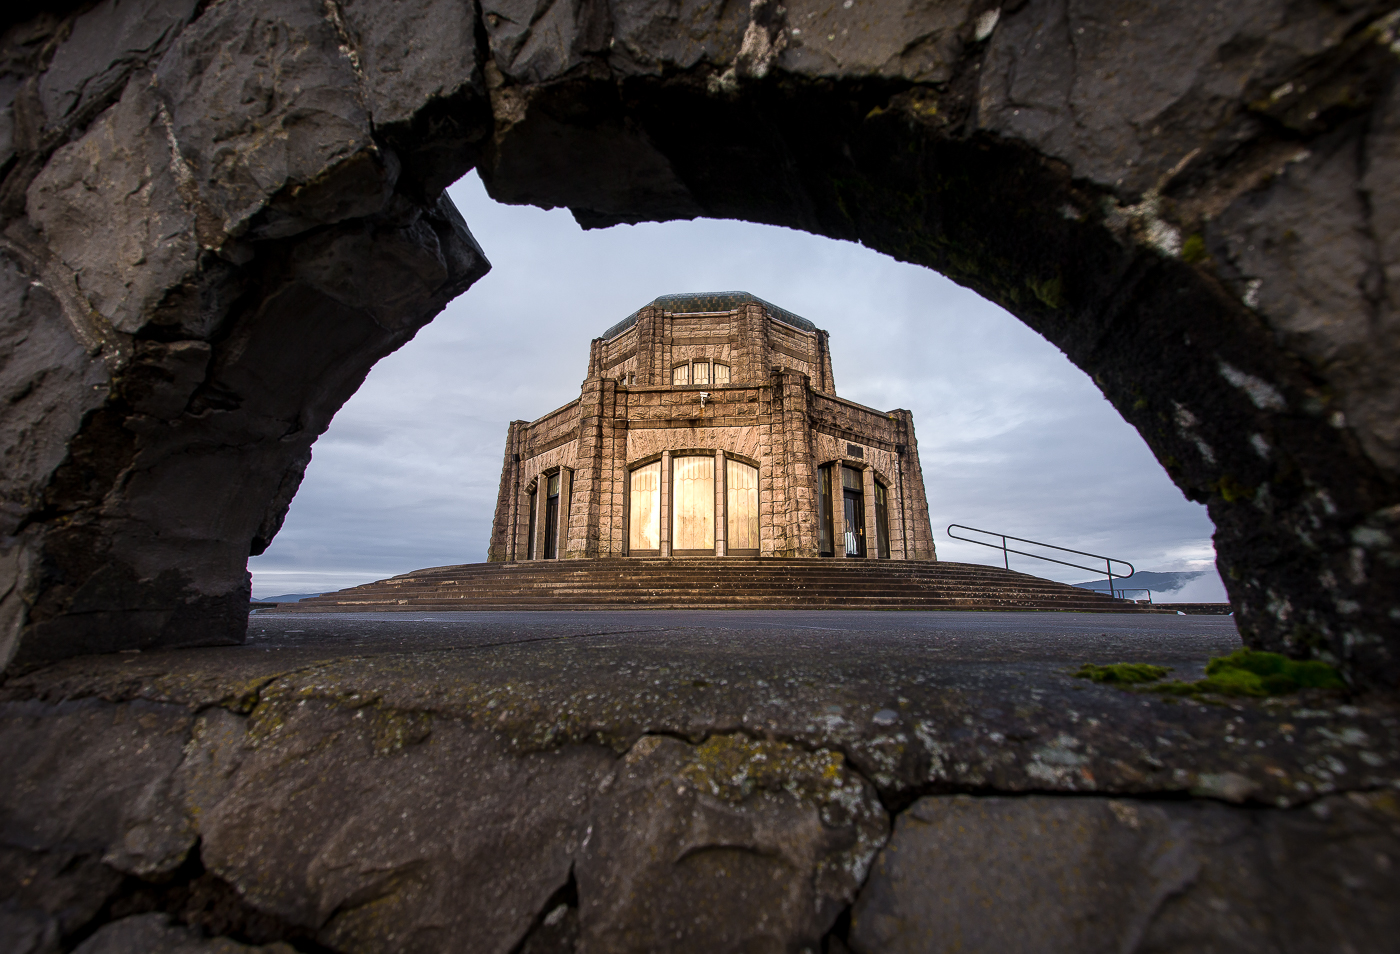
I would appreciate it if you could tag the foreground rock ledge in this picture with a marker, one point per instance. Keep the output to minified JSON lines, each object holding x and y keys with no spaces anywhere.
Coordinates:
{"x":603,"y":789}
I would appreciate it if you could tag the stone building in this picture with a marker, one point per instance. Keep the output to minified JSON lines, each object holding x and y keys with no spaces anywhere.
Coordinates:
{"x":709,"y":425}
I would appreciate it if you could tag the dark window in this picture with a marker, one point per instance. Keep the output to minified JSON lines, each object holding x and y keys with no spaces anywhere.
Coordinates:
{"x":855,"y":450}
{"x":530,"y":541}
{"x":882,"y":522}
{"x":824,"y":511}
{"x":853,"y":497}
{"x":551,"y":519}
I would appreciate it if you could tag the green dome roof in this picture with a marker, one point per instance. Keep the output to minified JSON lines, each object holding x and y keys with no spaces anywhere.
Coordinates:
{"x":692,"y":302}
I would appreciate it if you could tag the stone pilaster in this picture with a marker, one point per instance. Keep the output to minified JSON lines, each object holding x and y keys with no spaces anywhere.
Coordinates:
{"x":648,"y":343}
{"x":794,"y":476}
{"x":914,"y":507}
{"x":751,"y":354}
{"x":594,"y":478}
{"x":828,"y":380}
{"x":665,"y":503}
{"x":872,"y":536}
{"x":721,"y":505}
{"x":504,"y":525}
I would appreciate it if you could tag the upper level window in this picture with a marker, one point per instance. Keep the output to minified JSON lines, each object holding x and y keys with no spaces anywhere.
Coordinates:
{"x":721,"y":373}
{"x":700,"y":372}
{"x":680,"y":374}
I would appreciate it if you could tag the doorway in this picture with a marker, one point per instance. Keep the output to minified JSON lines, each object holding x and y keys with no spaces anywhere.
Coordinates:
{"x":551,"y":519}
{"x":853,"y":496}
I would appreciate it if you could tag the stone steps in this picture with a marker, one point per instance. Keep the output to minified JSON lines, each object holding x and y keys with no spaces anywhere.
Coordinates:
{"x":714,"y":583}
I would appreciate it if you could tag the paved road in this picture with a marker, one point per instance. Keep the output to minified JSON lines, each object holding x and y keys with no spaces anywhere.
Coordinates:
{"x":947,"y":636}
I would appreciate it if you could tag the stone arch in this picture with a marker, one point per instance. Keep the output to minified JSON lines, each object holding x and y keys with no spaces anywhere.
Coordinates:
{"x":216,"y":217}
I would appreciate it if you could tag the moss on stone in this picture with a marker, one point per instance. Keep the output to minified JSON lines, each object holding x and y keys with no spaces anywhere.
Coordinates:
{"x":1248,"y":672}
{"x":1051,"y":292}
{"x":1193,"y":250}
{"x":1122,"y":673}
{"x":732,"y":767}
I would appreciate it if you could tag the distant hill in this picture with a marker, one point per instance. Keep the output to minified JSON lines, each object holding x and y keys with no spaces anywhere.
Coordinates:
{"x":1147,"y":580}
{"x":289,"y":598}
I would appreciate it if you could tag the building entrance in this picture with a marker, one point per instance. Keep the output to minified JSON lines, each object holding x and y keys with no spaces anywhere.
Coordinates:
{"x":551,"y":519}
{"x":853,"y":493}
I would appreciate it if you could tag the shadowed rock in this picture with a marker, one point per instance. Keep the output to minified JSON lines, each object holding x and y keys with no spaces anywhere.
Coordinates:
{"x":217,"y":217}
{"x":682,"y":781}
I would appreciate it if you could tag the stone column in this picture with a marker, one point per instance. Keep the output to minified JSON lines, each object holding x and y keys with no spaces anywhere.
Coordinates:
{"x":591,"y":511}
{"x":872,"y":537}
{"x":918,"y":529}
{"x":648,"y":342}
{"x":838,"y":510}
{"x":795,"y":505}
{"x":665,"y":503}
{"x":721,"y":505}
{"x":505,"y":525}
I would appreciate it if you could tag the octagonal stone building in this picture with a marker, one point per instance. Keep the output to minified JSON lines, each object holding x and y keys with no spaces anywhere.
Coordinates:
{"x":709,"y":426}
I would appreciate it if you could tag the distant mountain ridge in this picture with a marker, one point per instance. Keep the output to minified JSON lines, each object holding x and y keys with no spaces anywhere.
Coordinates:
{"x":288,"y":598}
{"x":1147,"y":580}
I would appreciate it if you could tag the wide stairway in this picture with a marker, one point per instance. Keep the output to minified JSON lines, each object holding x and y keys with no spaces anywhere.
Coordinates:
{"x":715,"y":583}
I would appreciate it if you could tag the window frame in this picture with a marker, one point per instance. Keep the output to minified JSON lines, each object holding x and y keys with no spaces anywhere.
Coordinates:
{"x":714,"y":515}
{"x":627,"y":528}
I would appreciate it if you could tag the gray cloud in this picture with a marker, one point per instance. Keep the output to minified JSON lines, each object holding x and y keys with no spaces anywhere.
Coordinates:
{"x":1011,"y":435}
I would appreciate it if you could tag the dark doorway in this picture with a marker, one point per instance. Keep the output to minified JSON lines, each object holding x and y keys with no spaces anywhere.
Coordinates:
{"x":882,"y":522}
{"x":853,"y":493}
{"x":551,"y":519}
{"x":530,"y":540}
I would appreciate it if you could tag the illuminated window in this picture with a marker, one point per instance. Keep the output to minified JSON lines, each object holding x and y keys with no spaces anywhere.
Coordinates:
{"x":644,"y":525}
{"x":721,"y":373}
{"x":680,"y":374}
{"x":693,"y":504}
{"x":741,"y":487}
{"x":701,"y":373}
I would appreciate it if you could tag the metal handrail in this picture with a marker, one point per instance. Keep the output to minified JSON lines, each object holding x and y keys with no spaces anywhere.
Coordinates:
{"x":1005,"y":550}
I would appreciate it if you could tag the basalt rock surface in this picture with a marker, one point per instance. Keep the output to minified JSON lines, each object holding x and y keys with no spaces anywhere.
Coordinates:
{"x":207,"y":241}
{"x":216,"y":216}
{"x":652,"y":781}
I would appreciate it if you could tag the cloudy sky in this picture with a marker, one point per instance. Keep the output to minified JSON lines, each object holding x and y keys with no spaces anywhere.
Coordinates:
{"x":1012,"y":437}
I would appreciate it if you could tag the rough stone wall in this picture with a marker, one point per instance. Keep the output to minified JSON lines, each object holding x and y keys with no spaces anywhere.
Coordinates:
{"x":206,"y":241}
{"x":699,"y":792}
{"x":1192,"y":207}
{"x":1198,"y":209}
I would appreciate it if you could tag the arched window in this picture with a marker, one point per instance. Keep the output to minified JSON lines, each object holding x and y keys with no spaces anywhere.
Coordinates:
{"x":644,"y":510}
{"x":721,"y":373}
{"x":700,"y":372}
{"x":741,"y":492}
{"x":692,"y":505}
{"x":680,"y":374}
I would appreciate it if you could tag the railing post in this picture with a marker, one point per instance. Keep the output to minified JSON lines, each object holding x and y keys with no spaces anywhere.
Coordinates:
{"x":1005,"y":560}
{"x":1108,"y":568}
